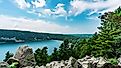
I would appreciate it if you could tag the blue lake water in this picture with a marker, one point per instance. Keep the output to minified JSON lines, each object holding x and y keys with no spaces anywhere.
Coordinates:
{"x":13,"y":47}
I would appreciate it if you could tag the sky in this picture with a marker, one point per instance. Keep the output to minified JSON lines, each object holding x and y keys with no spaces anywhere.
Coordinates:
{"x":54,"y":16}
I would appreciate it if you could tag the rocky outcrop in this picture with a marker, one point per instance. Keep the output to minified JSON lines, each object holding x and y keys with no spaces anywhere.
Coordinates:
{"x":86,"y":62}
{"x":4,"y":65}
{"x":71,"y":63}
{"x":12,"y":60}
{"x":25,"y":56}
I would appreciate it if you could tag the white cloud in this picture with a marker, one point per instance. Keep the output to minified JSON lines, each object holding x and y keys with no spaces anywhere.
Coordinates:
{"x":76,"y":8}
{"x":32,"y":25}
{"x":47,"y":12}
{"x":39,"y":3}
{"x":22,"y":4}
{"x":59,"y":5}
{"x":79,"y":6}
{"x":36,"y":4}
{"x":58,"y":10}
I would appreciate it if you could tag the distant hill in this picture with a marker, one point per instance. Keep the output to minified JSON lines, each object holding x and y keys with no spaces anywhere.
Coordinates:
{"x":81,"y":35}
{"x":27,"y":36}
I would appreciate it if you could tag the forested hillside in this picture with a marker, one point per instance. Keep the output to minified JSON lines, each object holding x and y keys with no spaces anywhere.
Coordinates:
{"x":26,"y":36}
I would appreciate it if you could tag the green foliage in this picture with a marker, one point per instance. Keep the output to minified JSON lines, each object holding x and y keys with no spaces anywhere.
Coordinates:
{"x":14,"y":65}
{"x":8,"y":55}
{"x":55,"y":55}
{"x":28,"y":36}
{"x":41,"y":56}
{"x":108,"y":41}
{"x":113,"y":61}
{"x":64,"y":52}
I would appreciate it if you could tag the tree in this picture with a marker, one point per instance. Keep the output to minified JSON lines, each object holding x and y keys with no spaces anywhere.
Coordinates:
{"x":8,"y":55}
{"x":66,"y":50}
{"x":84,"y":48}
{"x":55,"y":56}
{"x":108,"y":42}
{"x":41,"y":56}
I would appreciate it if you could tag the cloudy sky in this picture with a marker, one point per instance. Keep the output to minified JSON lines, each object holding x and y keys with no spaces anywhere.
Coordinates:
{"x":54,"y":16}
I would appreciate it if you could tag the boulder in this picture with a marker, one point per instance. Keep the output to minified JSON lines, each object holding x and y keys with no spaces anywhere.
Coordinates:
{"x":25,"y":56}
{"x":40,"y":67}
{"x":12,"y":61}
{"x":54,"y":64}
{"x":92,"y":62}
{"x":4,"y":65}
{"x":119,"y":59}
{"x":86,"y":62}
{"x":108,"y":65}
{"x":72,"y":63}
{"x":101,"y":62}
{"x":28,"y":67}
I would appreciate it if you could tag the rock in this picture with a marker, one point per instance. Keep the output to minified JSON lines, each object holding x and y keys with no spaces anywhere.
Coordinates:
{"x":108,"y":65}
{"x":86,"y":62}
{"x":92,"y":62}
{"x":101,"y":62}
{"x":119,"y":59}
{"x":40,"y":67}
{"x":28,"y":67}
{"x":25,"y":59}
{"x":4,"y":65}
{"x":72,"y":63}
{"x":83,"y":63}
{"x":25,"y":56}
{"x":34,"y":67}
{"x":54,"y":64}
{"x":12,"y":60}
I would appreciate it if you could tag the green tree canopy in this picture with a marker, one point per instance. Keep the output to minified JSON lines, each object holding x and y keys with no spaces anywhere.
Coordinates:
{"x":8,"y":55}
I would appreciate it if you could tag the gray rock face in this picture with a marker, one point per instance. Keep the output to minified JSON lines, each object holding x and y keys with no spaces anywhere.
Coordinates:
{"x":40,"y":67}
{"x":86,"y":62}
{"x":4,"y":65}
{"x":25,"y":56}
{"x":12,"y":60}
{"x":71,"y":63}
{"x":28,"y":67}
{"x":92,"y":62}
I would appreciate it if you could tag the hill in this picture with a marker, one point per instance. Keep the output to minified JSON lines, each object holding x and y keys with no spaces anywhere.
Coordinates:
{"x":27,"y":36}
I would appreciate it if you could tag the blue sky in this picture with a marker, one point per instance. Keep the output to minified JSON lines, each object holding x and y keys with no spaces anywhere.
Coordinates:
{"x":54,"y":16}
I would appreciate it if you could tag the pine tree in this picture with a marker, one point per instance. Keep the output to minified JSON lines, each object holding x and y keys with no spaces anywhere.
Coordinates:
{"x":41,"y":56}
{"x":109,"y":35}
{"x":55,"y":56}
{"x":8,"y":55}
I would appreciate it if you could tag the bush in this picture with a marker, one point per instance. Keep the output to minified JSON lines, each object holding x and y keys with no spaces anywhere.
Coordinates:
{"x":113,"y":61}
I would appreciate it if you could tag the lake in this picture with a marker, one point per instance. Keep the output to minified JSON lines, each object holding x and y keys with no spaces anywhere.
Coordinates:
{"x":13,"y":47}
